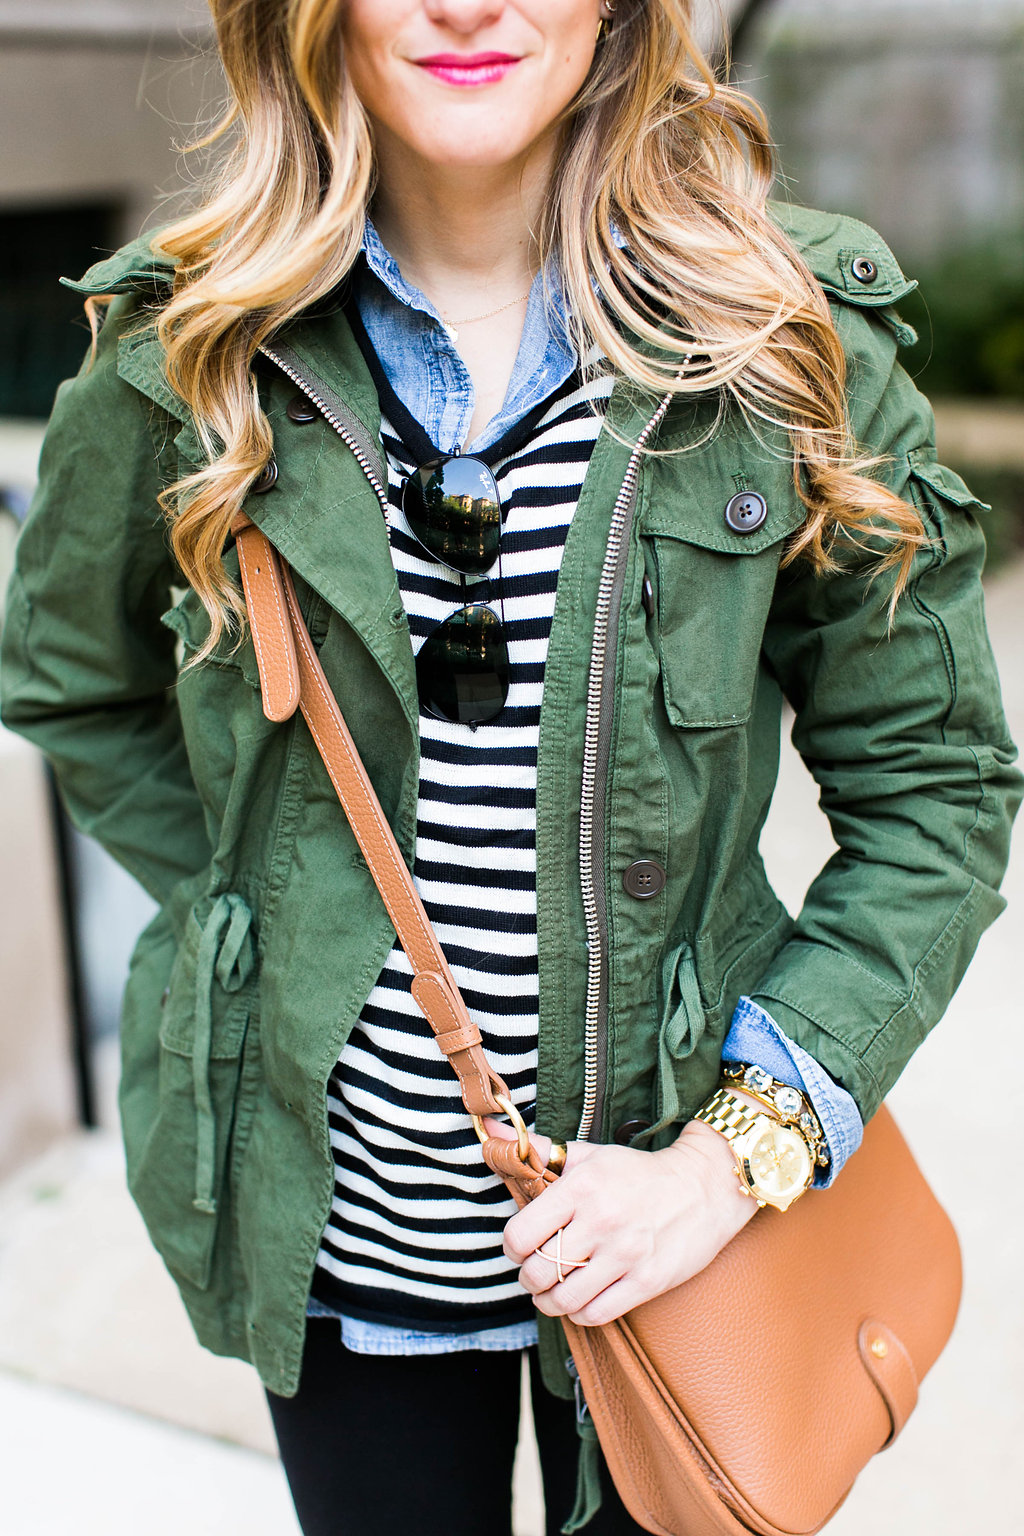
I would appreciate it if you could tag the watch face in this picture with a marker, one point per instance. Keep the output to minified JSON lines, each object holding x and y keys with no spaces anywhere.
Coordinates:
{"x":777,"y":1161}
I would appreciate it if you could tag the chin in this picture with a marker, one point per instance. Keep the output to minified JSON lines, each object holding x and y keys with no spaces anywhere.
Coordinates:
{"x":469,"y":151}
{"x":484,"y":130}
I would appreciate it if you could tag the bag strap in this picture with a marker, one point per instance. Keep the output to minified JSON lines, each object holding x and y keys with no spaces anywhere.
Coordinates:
{"x":291,"y":677}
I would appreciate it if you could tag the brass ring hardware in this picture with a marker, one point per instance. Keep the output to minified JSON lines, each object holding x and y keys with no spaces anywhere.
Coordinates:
{"x":517,"y":1120}
{"x":557,"y":1155}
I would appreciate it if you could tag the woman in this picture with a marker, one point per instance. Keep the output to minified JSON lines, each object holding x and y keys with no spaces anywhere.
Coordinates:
{"x":533,"y":235}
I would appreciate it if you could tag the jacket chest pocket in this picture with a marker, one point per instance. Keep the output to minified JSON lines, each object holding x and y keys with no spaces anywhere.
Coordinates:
{"x":178,"y":1178}
{"x":713,"y":564}
{"x":230,"y":658}
{"x":190,"y":622}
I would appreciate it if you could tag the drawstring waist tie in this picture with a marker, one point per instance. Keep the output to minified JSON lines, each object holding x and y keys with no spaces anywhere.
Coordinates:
{"x":226,"y":957}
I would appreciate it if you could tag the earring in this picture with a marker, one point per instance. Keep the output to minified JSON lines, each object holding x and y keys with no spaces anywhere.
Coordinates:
{"x":604,"y":26}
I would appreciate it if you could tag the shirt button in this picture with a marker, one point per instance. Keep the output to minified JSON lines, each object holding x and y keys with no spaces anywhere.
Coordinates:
{"x":630,"y":1128}
{"x":746,"y":512}
{"x":266,"y":479}
{"x":864,"y":269}
{"x":647,"y":597}
{"x":300,"y":410}
{"x":643,"y":879}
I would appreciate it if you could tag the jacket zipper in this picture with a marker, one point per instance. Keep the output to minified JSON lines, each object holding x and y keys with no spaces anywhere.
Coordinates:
{"x":593,"y":795}
{"x":597,"y":731}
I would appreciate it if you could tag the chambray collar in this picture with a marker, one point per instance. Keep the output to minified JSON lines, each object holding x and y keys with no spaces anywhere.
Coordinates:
{"x":424,"y":367}
{"x":385,"y":268}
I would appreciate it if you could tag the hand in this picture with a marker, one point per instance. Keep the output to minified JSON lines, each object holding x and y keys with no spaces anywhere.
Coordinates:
{"x":646,"y":1221}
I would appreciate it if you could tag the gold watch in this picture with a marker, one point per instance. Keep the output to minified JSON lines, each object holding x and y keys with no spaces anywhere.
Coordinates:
{"x":775,"y":1156}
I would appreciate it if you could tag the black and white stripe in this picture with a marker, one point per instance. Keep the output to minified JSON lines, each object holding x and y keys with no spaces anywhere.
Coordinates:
{"x":414,"y":1235}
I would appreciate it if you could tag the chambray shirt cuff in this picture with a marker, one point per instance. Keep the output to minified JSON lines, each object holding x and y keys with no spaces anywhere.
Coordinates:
{"x":755,"y":1037}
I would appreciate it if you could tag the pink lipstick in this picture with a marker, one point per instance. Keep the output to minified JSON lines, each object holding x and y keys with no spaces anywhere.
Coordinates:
{"x":468,"y":68}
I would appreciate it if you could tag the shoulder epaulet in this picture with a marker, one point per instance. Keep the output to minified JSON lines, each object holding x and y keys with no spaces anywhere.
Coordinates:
{"x":849,"y":259}
{"x":135,"y":268}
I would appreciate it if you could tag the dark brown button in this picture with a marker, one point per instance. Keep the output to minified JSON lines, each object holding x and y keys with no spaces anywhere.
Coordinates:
{"x":647,"y":597}
{"x":864,"y":269}
{"x":301,"y":411}
{"x":643,"y":879}
{"x":630,"y":1128}
{"x":266,"y":479}
{"x":746,"y":512}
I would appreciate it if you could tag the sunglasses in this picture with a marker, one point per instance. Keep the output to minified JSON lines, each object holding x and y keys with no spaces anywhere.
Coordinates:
{"x":453,"y":510}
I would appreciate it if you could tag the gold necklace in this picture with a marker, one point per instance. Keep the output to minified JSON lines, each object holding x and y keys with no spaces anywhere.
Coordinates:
{"x":452,"y":327}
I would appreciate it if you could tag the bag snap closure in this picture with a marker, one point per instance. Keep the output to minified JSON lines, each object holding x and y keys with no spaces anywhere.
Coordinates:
{"x":746,"y":512}
{"x":864,"y":269}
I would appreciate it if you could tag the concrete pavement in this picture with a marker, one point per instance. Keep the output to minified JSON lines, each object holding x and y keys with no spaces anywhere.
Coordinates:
{"x":75,"y":1464}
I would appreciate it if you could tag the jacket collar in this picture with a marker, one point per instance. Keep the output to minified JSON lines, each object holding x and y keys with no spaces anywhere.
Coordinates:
{"x":331,"y":529}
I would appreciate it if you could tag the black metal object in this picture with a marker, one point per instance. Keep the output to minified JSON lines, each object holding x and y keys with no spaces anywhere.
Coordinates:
{"x":78,"y":1006}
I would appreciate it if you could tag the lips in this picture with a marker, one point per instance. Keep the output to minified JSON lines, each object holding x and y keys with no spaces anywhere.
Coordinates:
{"x":468,"y":69}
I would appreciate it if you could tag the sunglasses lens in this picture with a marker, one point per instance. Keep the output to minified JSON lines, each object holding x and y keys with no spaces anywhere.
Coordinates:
{"x":462,"y":667}
{"x":452,"y":507}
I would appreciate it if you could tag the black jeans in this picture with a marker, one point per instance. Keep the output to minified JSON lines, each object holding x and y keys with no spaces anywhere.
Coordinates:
{"x":422,"y":1445}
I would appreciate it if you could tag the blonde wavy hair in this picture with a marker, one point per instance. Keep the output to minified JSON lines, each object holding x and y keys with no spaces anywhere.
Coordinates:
{"x":653,"y":145}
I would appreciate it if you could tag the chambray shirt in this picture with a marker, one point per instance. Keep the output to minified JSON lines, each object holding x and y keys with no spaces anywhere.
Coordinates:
{"x":430,"y":378}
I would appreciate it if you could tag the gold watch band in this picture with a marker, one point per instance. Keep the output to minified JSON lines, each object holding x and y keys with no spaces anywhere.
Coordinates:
{"x":727,"y":1113}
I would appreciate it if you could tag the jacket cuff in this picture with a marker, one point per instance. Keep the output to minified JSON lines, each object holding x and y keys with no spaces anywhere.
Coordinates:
{"x":754,"y":1036}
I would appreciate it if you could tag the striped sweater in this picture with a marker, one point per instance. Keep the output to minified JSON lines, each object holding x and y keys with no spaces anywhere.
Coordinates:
{"x":415,"y":1230}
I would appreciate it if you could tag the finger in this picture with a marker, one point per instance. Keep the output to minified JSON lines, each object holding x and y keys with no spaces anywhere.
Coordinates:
{"x":531,"y":1227}
{"x":619,"y":1297}
{"x":577,"y":1152}
{"x":539,"y":1271}
{"x":580,"y":1289}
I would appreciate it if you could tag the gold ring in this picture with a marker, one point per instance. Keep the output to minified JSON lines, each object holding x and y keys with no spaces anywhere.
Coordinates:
{"x":557,"y":1156}
{"x":561,"y":1264}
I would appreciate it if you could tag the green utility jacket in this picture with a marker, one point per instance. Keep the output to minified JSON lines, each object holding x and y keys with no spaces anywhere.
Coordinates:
{"x":271,"y":933}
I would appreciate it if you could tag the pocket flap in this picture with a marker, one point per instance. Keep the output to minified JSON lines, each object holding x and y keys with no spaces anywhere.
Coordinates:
{"x":189,"y":620}
{"x":698,"y":514}
{"x":945,"y":482}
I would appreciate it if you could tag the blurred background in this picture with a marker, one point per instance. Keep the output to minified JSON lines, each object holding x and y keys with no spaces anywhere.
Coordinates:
{"x":907,"y":113}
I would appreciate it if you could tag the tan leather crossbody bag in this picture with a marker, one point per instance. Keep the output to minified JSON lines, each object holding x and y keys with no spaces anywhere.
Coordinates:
{"x":749,"y":1398}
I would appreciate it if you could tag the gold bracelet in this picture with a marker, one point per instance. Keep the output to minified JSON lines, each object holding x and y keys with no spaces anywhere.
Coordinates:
{"x":792,"y":1106}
